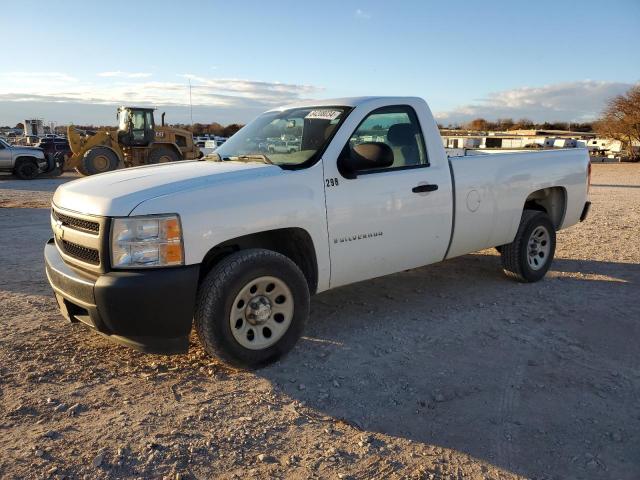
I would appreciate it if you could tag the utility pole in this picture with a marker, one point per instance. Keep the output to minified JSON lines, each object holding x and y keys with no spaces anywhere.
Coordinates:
{"x":190,"y":104}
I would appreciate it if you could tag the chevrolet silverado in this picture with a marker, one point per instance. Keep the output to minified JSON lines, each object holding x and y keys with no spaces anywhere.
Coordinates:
{"x":236,"y":243}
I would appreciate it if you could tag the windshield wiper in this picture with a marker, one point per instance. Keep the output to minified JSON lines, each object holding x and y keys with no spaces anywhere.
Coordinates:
{"x":212,"y":157}
{"x":250,"y":158}
{"x":215,"y":157}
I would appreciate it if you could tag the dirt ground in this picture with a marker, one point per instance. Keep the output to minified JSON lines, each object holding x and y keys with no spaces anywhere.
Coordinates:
{"x":449,"y":371}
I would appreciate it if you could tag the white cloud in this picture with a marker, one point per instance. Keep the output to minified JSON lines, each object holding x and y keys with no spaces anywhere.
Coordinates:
{"x":569,"y":101}
{"x":264,"y":91}
{"x":362,"y":15}
{"x":120,"y":74}
{"x":35,"y":77}
{"x":208,"y":92}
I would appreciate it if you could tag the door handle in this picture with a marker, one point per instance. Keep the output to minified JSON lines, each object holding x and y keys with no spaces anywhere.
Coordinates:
{"x":427,"y":187}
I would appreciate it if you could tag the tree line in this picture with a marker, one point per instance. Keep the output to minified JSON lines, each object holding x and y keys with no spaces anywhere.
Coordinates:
{"x":508,"y":124}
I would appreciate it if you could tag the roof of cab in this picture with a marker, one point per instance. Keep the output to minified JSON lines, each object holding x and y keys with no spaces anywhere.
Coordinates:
{"x":346,"y":102}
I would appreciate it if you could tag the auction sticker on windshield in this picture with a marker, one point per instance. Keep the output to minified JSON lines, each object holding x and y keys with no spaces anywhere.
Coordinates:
{"x":323,"y":114}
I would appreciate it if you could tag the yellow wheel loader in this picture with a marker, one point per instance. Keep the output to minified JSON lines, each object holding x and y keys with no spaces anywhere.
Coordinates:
{"x":136,"y":141}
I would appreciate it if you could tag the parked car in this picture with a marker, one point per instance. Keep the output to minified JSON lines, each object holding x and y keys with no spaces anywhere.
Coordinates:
{"x":53,"y":146}
{"x":209,"y":147}
{"x":24,"y":162}
{"x":282,"y":146}
{"x":238,"y":243}
{"x":56,"y":148}
{"x":200,"y":141}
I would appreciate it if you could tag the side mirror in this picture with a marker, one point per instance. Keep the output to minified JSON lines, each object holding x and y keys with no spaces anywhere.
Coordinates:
{"x":365,"y":156}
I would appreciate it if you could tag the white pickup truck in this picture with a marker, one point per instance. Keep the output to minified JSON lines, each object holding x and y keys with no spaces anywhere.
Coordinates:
{"x":236,"y":243}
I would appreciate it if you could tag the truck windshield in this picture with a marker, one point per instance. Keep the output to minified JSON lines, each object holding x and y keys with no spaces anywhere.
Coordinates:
{"x":288,"y":138}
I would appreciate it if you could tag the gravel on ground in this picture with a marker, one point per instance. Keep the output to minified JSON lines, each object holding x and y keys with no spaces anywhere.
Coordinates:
{"x":448,"y":371}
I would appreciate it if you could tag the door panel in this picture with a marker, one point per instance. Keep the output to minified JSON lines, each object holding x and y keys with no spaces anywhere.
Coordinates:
{"x":5,"y":156}
{"x":378,"y":225}
{"x":385,"y":221}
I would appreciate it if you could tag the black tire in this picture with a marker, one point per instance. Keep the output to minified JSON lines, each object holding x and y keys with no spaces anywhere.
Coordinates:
{"x":58,"y":164}
{"x":99,"y":160}
{"x":26,"y":169}
{"x":80,"y":169}
{"x":516,"y":255}
{"x":162,"y":155}
{"x":216,"y":296}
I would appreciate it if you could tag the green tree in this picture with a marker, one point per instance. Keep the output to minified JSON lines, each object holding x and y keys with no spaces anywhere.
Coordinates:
{"x":621,"y":120}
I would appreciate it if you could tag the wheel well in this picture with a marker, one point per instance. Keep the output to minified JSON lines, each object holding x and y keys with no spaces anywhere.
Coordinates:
{"x":552,"y":201}
{"x":294,"y":243}
{"x":25,"y":158}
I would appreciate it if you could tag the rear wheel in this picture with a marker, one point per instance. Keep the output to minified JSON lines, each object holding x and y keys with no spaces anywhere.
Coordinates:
{"x":529,"y":256}
{"x":99,"y":160}
{"x":163,"y":155}
{"x":26,"y":169}
{"x":252,"y":307}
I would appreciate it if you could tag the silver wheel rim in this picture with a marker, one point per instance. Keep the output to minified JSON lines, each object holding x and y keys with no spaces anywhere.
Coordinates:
{"x":538,"y":248}
{"x":261,"y":313}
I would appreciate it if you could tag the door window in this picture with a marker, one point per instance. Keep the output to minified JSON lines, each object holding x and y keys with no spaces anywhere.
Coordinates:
{"x":137,"y":121}
{"x":398,"y":127}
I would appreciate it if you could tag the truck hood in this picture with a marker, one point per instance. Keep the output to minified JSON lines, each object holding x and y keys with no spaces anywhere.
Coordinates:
{"x":118,"y":193}
{"x":35,"y":151}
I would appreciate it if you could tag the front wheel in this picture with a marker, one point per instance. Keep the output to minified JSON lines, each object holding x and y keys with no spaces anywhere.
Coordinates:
{"x":26,"y":169}
{"x":252,"y":307}
{"x":529,"y":256}
{"x":99,"y":160}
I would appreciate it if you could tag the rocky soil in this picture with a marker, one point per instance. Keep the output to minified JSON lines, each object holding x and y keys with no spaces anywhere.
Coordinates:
{"x":450,"y":371}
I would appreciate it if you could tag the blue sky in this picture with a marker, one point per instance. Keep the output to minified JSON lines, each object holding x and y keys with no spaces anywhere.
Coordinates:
{"x":554,"y":60}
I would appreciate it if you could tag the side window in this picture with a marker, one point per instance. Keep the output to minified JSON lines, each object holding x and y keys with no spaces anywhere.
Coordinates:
{"x":398,"y":127}
{"x":149,"y":116}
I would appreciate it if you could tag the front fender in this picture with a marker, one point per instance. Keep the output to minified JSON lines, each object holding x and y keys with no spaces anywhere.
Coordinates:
{"x":214,"y":214}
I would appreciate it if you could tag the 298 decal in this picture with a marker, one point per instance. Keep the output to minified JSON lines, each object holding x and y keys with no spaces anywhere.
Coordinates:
{"x":331,"y":182}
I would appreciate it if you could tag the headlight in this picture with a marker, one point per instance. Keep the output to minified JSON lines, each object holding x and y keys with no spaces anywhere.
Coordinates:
{"x":146,"y":241}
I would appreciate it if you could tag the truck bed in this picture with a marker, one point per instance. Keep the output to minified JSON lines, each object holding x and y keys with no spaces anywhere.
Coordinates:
{"x":490,"y":192}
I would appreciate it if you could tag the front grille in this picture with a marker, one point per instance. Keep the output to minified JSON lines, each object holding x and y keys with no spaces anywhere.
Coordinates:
{"x":77,"y":223}
{"x":85,"y":254}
